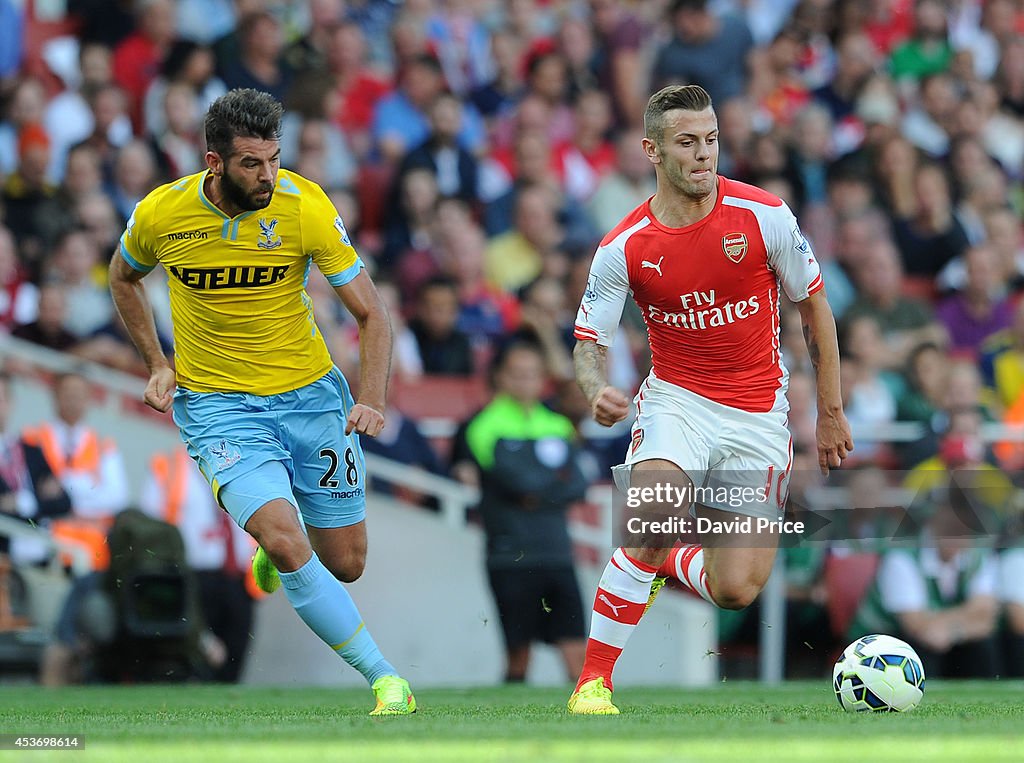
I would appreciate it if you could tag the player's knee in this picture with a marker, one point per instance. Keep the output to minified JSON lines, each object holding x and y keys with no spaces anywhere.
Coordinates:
{"x":735,"y":595}
{"x":287,"y":547}
{"x":349,"y":569}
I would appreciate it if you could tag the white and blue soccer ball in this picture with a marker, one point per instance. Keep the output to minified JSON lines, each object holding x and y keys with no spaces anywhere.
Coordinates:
{"x":879,"y":673}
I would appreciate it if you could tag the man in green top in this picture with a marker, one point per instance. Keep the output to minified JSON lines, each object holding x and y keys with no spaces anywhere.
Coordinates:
{"x":527,"y":463}
{"x":939,"y":595}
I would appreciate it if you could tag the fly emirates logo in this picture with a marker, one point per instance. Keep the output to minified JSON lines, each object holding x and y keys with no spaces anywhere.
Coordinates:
{"x":700,"y":311}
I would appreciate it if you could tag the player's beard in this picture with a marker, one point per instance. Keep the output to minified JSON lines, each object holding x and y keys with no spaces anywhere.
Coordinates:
{"x":240,"y":197}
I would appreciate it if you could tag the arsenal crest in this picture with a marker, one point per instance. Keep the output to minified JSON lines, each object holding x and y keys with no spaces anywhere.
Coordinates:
{"x":735,"y":246}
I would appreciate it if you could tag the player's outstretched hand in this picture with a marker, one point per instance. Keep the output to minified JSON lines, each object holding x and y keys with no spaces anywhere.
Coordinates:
{"x":160,"y":390}
{"x":609,"y":407}
{"x":365,"y":420}
{"x":834,"y":440}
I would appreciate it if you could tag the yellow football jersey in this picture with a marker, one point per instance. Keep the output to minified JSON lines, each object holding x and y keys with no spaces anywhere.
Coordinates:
{"x":243,"y":321}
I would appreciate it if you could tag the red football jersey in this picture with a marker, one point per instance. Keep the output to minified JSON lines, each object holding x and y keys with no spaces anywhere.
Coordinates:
{"x":709,"y":293}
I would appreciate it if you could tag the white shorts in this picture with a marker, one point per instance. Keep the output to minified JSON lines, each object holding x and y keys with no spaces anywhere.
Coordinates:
{"x":740,"y":460}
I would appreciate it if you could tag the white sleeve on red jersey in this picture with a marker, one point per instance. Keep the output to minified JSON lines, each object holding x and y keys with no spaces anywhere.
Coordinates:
{"x":607,"y":289}
{"x":790,"y":255}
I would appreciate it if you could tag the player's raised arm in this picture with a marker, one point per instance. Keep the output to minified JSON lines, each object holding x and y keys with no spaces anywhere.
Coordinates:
{"x":362,"y":300}
{"x":132,"y":304}
{"x":833,"y":431}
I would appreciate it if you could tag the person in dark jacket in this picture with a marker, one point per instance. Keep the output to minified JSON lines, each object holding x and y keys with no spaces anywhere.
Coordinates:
{"x":527,"y":463}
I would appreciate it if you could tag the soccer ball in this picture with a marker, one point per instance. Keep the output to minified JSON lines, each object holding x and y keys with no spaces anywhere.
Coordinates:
{"x":879,"y":673}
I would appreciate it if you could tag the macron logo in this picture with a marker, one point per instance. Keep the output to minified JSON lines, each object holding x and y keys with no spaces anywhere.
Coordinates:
{"x":651,"y":265}
{"x":188,"y":235}
{"x":615,"y":608}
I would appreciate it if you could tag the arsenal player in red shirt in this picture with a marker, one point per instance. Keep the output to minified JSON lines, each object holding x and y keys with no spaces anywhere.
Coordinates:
{"x":705,"y":259}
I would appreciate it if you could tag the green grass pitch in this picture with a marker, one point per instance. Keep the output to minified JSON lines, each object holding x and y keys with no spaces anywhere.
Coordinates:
{"x":959,"y":722}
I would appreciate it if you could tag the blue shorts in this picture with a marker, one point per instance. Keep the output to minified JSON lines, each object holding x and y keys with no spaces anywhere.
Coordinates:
{"x":291,"y":445}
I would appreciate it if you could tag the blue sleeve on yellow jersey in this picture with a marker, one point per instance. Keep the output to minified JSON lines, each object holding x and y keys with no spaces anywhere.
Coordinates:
{"x":325,"y":239}
{"x":137,"y":240}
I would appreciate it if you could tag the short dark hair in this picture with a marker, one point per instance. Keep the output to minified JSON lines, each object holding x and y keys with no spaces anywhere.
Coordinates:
{"x":685,"y":97}
{"x":244,"y":113}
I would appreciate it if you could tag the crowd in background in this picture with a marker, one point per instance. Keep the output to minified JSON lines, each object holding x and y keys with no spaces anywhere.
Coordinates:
{"x":478,"y":151}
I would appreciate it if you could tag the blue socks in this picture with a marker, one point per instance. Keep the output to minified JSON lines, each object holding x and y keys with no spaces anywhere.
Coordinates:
{"x":326,"y":607}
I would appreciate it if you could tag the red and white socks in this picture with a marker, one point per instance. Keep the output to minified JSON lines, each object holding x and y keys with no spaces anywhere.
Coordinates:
{"x":618,"y":606}
{"x":686,"y":564}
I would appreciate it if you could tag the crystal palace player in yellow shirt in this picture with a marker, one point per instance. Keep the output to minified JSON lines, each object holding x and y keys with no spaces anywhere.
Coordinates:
{"x":260,"y":405}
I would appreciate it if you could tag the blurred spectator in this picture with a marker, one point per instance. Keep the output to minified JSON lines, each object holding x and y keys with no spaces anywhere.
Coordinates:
{"x":178,"y":143}
{"x":582,"y":162}
{"x":930,"y":123}
{"x":27,"y":193}
{"x":406,"y":363}
{"x":530,"y":163}
{"x":400,"y":120}
{"x":547,"y":320}
{"x":357,"y":88}
{"x":931,"y":236}
{"x":628,"y":185}
{"x":940,"y":596}
{"x":89,"y":467}
{"x":498,"y":96}
{"x":578,"y":46}
{"x":311,"y":142}
{"x":961,"y":450}
{"x":544,"y":104}
{"x":28,"y":488}
{"x":138,"y":57}
{"x":486,"y":313}
{"x":47,"y":330}
{"x":776,"y":82}
{"x":77,"y":264}
{"x":705,"y":50}
{"x":462,"y":44}
{"x":311,"y":52}
{"x":926,"y":377}
{"x":981,"y":308}
{"x":811,"y":156}
{"x":1010,"y":77}
{"x":258,"y":65}
{"x":454,"y":168}
{"x":19,"y":299}
{"x":192,"y":67}
{"x":525,"y":461}
{"x":409,"y":233}
{"x":134,"y":177}
{"x":928,"y":51}
{"x":443,"y":348}
{"x":905,"y":322}
{"x":871,"y":391}
{"x":26,"y":109}
{"x":69,"y":114}
{"x":215,"y":548}
{"x":620,"y":59}
{"x":516,"y":257}
{"x":111,"y":128}
{"x":83,"y":175}
{"x":96,"y":215}
{"x":855,"y":63}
